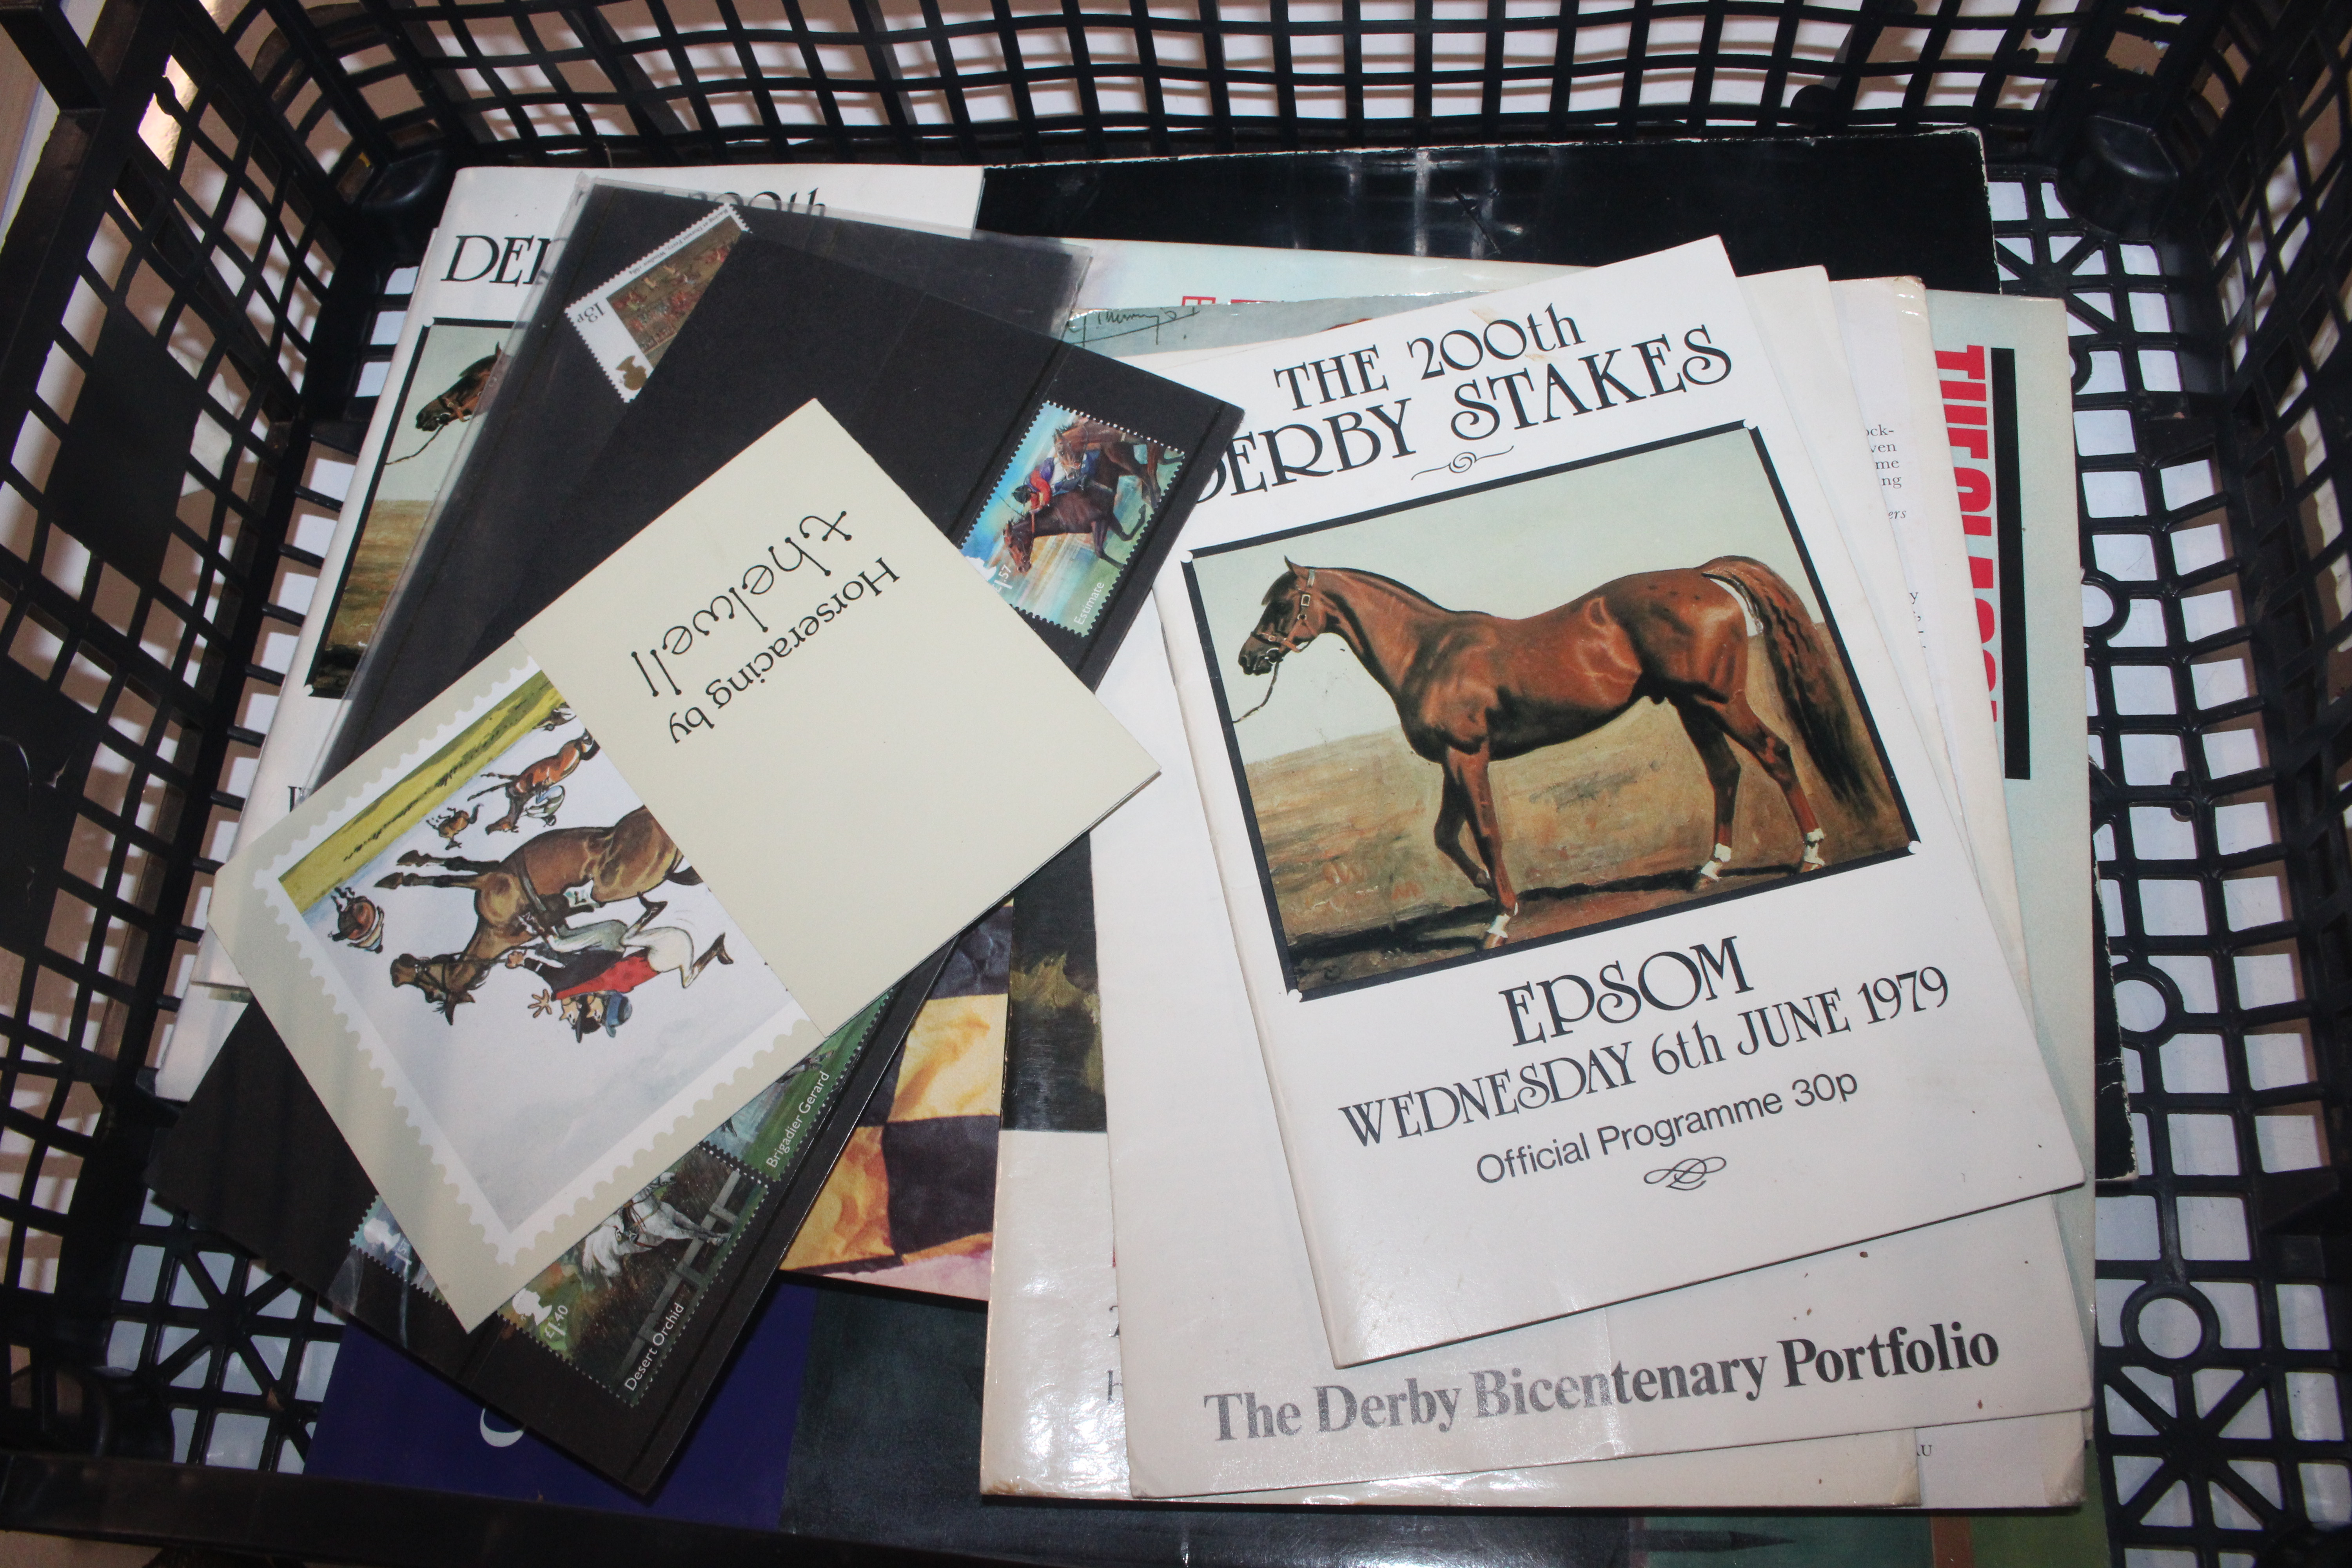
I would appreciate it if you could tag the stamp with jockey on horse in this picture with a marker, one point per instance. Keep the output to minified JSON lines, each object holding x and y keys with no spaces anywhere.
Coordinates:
{"x":1472,"y":689}
{"x":1074,"y":488}
{"x":530,"y":896}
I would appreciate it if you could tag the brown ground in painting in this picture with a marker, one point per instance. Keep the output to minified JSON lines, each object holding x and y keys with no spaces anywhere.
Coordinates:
{"x":377,"y":557}
{"x":1597,"y":829}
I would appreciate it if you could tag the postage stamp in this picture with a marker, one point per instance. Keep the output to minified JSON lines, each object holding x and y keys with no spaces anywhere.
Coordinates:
{"x":612,"y":1307}
{"x":629,"y":319}
{"x":516,"y":992}
{"x":1069,"y":514}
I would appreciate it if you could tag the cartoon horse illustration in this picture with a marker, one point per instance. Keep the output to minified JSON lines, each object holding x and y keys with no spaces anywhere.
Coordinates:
{"x":533,"y":792}
{"x":1075,"y":490}
{"x":453,"y":822}
{"x":1472,"y":688}
{"x":591,"y":969}
{"x":528,"y":895}
{"x":595,"y":948}
{"x":359,"y":921}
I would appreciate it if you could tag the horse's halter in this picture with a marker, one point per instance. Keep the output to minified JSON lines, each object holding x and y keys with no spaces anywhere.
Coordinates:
{"x":1274,"y":648}
{"x":1290,"y":642}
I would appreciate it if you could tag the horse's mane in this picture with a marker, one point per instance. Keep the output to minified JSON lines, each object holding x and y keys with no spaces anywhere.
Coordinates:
{"x":1414,"y":594}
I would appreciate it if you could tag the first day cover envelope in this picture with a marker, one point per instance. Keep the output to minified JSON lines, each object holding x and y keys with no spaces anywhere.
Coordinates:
{"x":1588,"y":871}
{"x":545,"y":936}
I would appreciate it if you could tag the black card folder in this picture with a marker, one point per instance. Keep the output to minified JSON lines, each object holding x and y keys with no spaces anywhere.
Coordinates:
{"x":938,"y":394}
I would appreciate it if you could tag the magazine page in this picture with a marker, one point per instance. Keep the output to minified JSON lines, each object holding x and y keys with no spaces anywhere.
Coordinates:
{"x":2025,"y":562}
{"x":386,"y":1419}
{"x":1844,"y":891}
{"x":1054,"y":1424}
{"x":1229,"y":1384}
{"x":2035,"y":1461}
{"x":1796,"y":312}
{"x":1147,"y":272}
{"x":1053,"y":1420}
{"x":1796,"y":316}
{"x":910,"y":1204}
{"x":497,"y":231}
{"x":1890,"y":352}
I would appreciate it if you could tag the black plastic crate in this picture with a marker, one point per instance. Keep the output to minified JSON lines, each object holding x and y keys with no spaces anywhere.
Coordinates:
{"x":189,"y":293}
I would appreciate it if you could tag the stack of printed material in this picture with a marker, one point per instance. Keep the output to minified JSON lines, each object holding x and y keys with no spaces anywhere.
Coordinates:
{"x":1566,"y":1028}
{"x":670,"y":786}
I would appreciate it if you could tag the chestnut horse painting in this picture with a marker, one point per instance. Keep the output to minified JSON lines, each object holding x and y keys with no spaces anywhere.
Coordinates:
{"x":1472,"y":689}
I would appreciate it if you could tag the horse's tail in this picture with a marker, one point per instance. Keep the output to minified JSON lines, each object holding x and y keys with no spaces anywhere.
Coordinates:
{"x":1809,"y":688}
{"x":1153,"y":452}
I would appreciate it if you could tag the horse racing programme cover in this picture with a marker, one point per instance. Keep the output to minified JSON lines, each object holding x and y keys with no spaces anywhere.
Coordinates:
{"x":1589,"y":877}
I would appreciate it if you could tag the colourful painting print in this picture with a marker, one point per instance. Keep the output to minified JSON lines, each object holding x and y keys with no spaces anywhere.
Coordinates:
{"x":533,"y":954}
{"x":1571,"y":699}
{"x":612,"y":1305}
{"x":448,"y":376}
{"x":912,"y":1200}
{"x":1069,"y":514}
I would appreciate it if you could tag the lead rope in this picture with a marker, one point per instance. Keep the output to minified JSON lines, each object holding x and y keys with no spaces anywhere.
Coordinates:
{"x":429,"y":441}
{"x":1269,"y":693}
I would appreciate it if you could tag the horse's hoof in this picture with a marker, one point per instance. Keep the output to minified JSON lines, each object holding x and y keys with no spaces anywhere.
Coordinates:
{"x":720,"y":948}
{"x":414,"y":857}
{"x":1495,"y":938}
{"x":392,"y":881}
